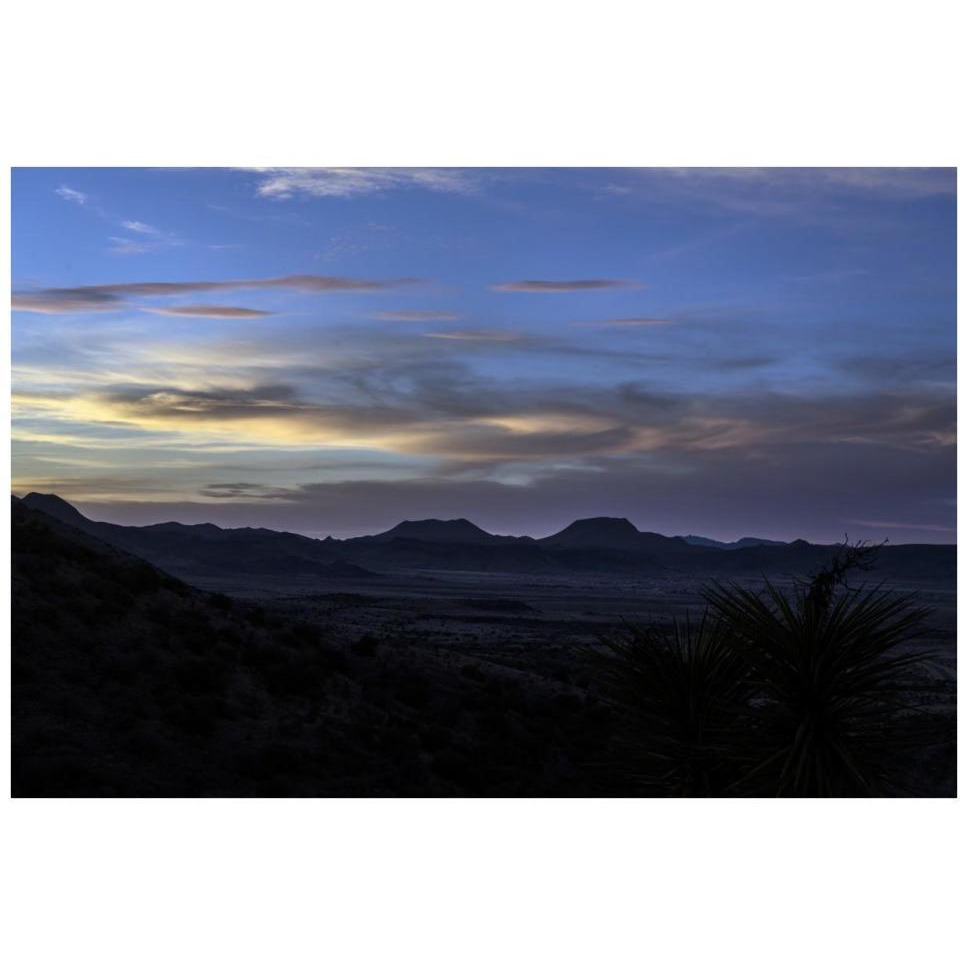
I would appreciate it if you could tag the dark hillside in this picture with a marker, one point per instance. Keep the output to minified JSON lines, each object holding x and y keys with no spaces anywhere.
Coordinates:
{"x":127,"y":682}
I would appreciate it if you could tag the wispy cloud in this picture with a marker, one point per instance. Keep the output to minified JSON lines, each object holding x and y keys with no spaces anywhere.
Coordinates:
{"x":482,"y":336}
{"x":416,"y":316}
{"x":559,"y":286}
{"x":73,"y":196}
{"x":283,"y":183}
{"x":114,"y":296}
{"x":211,"y":310}
{"x":147,"y":238}
{"x":137,"y":227}
{"x":255,"y":491}
{"x":910,"y":182}
{"x":444,"y":412}
{"x":932,"y":527}
{"x":65,"y":301}
{"x":626,"y":322}
{"x":809,"y":194}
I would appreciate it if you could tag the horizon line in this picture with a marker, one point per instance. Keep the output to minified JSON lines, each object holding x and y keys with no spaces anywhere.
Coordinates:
{"x":772,"y":541}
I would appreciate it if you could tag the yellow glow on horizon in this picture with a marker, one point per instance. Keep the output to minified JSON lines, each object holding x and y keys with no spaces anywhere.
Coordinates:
{"x":551,"y":423}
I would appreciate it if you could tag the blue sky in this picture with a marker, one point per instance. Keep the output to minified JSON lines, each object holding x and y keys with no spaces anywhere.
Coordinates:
{"x":726,"y":352}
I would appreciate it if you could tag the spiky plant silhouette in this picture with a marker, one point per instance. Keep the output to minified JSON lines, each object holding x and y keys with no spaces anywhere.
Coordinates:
{"x":834,"y":710}
{"x":681,"y":696}
{"x":808,"y":692}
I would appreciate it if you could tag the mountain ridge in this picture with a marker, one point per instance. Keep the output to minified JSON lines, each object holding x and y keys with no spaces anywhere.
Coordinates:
{"x":425,"y":529}
{"x":589,"y":546}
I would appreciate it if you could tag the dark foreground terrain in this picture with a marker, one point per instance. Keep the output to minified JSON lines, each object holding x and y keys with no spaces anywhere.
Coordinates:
{"x":342,"y":681}
{"x":128,"y":682}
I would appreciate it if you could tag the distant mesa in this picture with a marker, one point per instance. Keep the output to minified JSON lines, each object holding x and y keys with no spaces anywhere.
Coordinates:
{"x":437,"y":531}
{"x":613,"y":533}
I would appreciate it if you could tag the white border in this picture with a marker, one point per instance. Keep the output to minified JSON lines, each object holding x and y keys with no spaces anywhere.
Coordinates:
{"x":503,"y":83}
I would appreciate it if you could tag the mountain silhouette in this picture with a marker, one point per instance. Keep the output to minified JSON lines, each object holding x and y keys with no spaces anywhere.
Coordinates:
{"x":610,"y":533}
{"x":55,"y":506}
{"x":204,"y":549}
{"x":438,"y":531}
{"x":695,"y":541}
{"x":592,"y":546}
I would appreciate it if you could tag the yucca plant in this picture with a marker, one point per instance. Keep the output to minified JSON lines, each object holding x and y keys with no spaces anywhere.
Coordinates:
{"x":835,"y":685}
{"x":681,"y":695}
{"x":806,"y":692}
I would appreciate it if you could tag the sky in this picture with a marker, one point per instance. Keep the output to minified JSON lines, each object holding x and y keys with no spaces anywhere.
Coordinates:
{"x":723,"y":352}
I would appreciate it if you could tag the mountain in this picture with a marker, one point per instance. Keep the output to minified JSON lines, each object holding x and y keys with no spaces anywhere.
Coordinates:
{"x":437,"y":531}
{"x":204,"y":549}
{"x":609,"y":533}
{"x":55,"y":506}
{"x":695,"y":541}
{"x":593,"y":546}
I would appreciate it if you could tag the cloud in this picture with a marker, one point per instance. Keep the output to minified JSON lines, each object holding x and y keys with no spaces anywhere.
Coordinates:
{"x":627,"y":322}
{"x":279,"y":415}
{"x":267,"y":414}
{"x":137,"y":227}
{"x":283,"y":183}
{"x":890,"y":525}
{"x":226,"y":313}
{"x":480,"y":336}
{"x":151,"y":238}
{"x":901,"y":368}
{"x":102,"y":297}
{"x":894,"y":182}
{"x":65,"y":301}
{"x":808,"y":194}
{"x":252,"y":491}
{"x":148,"y":239}
{"x":74,"y":196}
{"x":559,"y":286}
{"x":416,"y":316}
{"x":418,"y":405}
